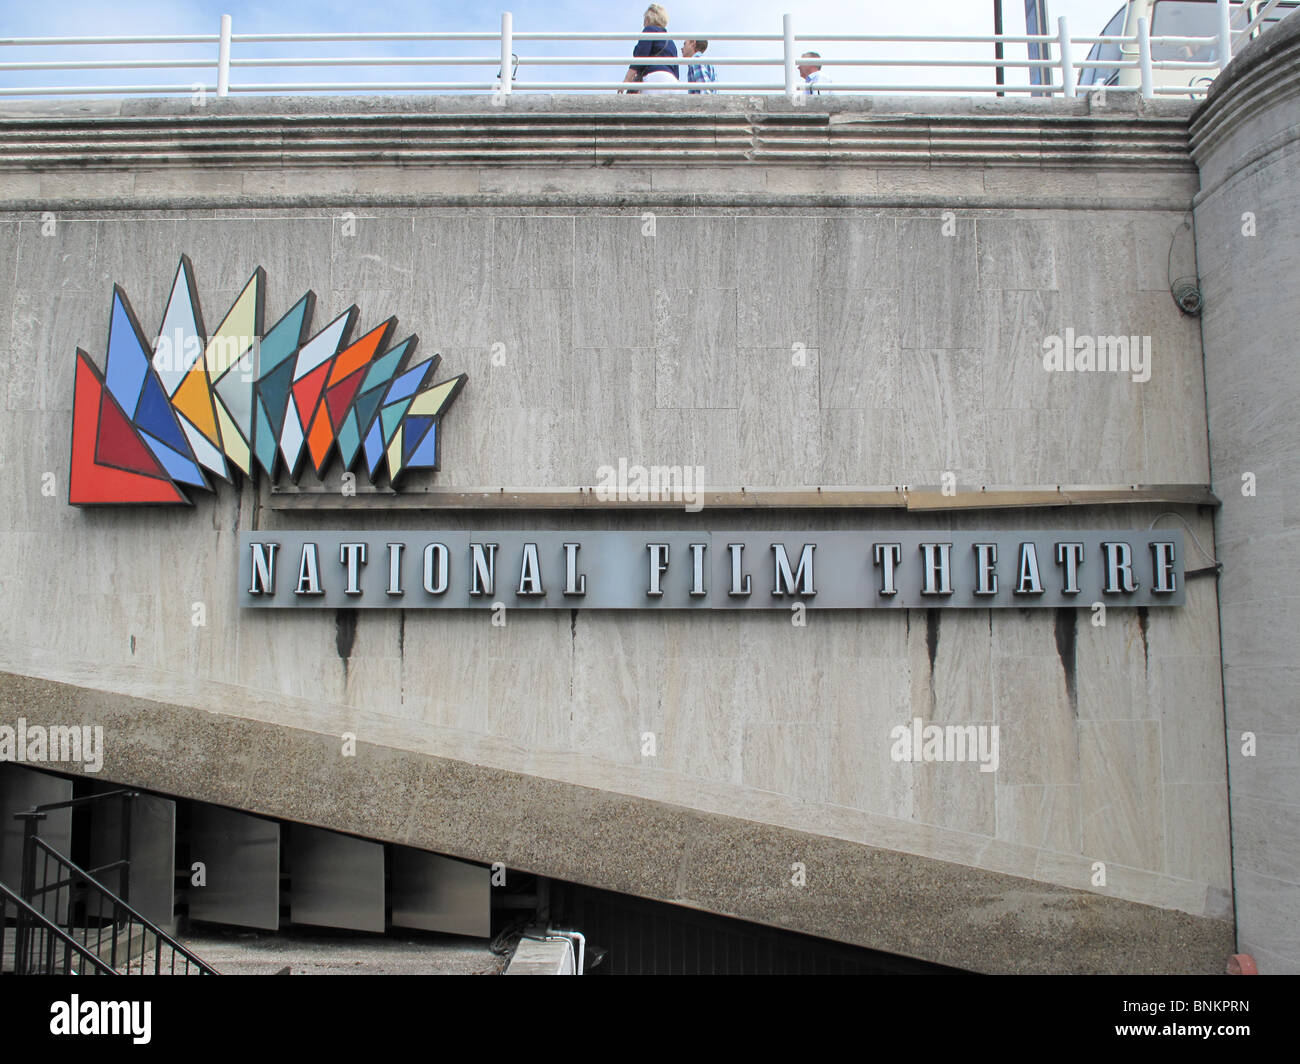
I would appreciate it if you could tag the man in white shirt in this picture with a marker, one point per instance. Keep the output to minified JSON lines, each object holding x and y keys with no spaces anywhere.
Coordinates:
{"x":811,"y":72}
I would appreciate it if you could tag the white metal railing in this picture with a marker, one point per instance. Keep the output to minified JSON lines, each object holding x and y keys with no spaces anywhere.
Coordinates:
{"x":1060,"y":74}
{"x":1263,"y":16}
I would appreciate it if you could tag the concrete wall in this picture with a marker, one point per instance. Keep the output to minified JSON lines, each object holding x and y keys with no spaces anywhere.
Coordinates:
{"x":1248,"y":244}
{"x":774,"y":227}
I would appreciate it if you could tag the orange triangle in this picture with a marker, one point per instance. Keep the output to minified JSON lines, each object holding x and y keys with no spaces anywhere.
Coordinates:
{"x":358,"y":354}
{"x":194,"y":399}
{"x":319,"y":439}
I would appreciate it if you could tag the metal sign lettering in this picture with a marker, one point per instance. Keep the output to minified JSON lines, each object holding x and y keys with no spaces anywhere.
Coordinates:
{"x":710,"y":570}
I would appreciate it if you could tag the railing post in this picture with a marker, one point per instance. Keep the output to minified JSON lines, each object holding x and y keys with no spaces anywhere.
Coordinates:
{"x":507,"y":52}
{"x":1225,"y":34}
{"x":26,"y":890}
{"x":124,"y":880}
{"x":1068,"y":79}
{"x":1144,"y":59}
{"x":787,"y":30}
{"x":223,"y":58}
{"x":999,"y":72}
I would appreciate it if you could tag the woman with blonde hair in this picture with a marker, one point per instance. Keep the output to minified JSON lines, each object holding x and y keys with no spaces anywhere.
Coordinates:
{"x":653,"y":74}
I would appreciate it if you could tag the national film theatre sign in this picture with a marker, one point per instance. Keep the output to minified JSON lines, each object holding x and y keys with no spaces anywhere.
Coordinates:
{"x":709,"y":570}
{"x":173,"y":414}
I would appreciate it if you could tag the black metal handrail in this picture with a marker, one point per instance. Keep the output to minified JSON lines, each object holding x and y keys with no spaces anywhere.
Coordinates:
{"x":39,"y":812}
{"x":44,"y":940}
{"x":113,"y":918}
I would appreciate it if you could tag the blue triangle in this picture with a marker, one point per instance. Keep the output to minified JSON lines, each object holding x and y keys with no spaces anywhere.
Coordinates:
{"x":178,"y":467}
{"x":374,"y":448}
{"x":154,"y":415}
{"x":425,"y":454}
{"x":413,"y":436}
{"x":127,"y":363}
{"x":407,"y":383}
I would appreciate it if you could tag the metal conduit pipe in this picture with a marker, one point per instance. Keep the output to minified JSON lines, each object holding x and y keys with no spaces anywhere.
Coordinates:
{"x":581,"y":945}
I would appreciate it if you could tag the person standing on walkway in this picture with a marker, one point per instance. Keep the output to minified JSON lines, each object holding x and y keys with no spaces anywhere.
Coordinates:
{"x":810,"y":69}
{"x":698,"y":73}
{"x":653,"y":75}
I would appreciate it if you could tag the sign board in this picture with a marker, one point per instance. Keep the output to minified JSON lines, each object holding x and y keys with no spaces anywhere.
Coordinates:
{"x":693,"y":570}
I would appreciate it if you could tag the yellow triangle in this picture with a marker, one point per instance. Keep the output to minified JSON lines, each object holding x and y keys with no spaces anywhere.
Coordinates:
{"x":231,"y":442}
{"x":427,"y":404}
{"x":235,"y":334}
{"x":395,"y":453}
{"x":194,"y":399}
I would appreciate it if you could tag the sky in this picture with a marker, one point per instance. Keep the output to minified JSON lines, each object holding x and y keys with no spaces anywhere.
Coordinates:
{"x":85,"y":18}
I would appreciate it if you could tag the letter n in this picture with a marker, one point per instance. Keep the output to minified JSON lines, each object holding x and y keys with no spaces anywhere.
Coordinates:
{"x":263,"y":565}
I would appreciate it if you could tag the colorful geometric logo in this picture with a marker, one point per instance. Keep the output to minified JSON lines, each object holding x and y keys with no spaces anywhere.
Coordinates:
{"x":166,"y":417}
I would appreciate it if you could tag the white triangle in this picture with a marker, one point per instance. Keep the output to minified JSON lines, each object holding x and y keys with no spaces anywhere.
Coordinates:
{"x":291,"y":436}
{"x":322,"y":346}
{"x":179,"y":344}
{"x":209,"y":457}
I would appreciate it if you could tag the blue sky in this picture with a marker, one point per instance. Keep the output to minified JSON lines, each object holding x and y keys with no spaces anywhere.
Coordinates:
{"x":129,"y":17}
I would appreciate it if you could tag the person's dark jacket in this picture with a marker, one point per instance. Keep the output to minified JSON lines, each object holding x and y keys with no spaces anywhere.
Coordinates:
{"x":648,"y":48}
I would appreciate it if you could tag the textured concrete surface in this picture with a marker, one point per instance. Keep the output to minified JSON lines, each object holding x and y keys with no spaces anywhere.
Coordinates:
{"x":873,"y":349}
{"x":853,"y":892}
{"x":603,"y":151}
{"x":1248,"y":245}
{"x":917,"y":297}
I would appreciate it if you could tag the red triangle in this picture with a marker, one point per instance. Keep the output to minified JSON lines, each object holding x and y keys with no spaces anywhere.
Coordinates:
{"x":90,"y":482}
{"x":116,"y":443}
{"x":307,"y":390}
{"x":338,"y":398}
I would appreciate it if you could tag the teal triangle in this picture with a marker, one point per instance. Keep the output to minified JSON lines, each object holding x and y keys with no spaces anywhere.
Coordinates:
{"x":273,"y":389}
{"x":284,"y":337}
{"x":392,"y":417}
{"x":382,"y":369}
{"x":365,"y":406}
{"x":349,"y":439}
{"x":264,"y":442}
